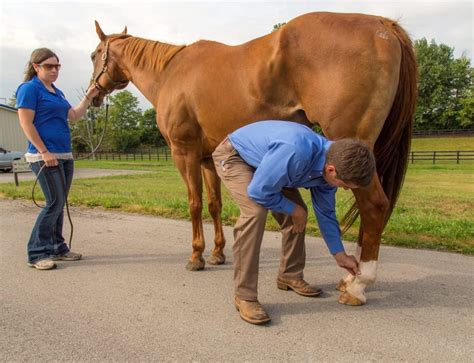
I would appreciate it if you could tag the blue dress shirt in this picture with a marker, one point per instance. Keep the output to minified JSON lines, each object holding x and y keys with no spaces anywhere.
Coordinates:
{"x":287,"y":154}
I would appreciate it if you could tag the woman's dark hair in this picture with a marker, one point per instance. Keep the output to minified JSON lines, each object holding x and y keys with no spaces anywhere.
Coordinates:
{"x":37,"y":56}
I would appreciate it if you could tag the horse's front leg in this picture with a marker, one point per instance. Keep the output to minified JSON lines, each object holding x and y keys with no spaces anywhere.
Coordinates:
{"x":373,"y":205}
{"x":213,"y":188}
{"x":189,"y":166}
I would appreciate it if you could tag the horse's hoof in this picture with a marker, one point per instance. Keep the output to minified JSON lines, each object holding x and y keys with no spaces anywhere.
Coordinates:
{"x":348,"y":299}
{"x":216,"y":259}
{"x":196,"y":265}
{"x":341,"y":286}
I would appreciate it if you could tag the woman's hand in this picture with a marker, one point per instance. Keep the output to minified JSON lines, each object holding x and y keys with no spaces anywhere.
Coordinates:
{"x":76,"y":113}
{"x":49,"y":159}
{"x":91,"y":92}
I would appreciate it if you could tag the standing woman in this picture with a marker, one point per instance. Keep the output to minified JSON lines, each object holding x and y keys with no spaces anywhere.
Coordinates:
{"x":44,"y":113}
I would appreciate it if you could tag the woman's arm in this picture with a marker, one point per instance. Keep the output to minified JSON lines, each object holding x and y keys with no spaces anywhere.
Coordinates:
{"x":76,"y":113}
{"x":26,"y":117}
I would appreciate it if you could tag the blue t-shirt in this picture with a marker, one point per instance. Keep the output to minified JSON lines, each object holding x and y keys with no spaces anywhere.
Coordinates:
{"x":50,"y":119}
{"x":287,"y":154}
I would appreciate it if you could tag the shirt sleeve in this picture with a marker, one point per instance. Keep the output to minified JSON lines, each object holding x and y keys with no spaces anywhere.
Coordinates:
{"x":324,"y":205}
{"x":27,"y":96}
{"x":276,"y":171}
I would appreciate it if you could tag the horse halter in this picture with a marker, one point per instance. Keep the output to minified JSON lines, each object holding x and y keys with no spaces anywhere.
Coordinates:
{"x":104,"y":70}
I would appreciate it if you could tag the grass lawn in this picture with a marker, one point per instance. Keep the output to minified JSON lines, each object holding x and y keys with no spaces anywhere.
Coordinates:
{"x":435,"y":210}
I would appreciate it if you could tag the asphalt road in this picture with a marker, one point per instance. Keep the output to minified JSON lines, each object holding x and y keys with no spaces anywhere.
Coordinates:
{"x":131,"y":299}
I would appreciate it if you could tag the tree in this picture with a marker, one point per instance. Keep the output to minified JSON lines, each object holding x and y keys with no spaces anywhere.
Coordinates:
{"x":125,"y":119}
{"x":12,"y":100}
{"x":277,"y":26}
{"x":88,"y":132}
{"x":124,"y":111}
{"x":150,"y":133}
{"x":467,"y":113}
{"x":445,"y":87}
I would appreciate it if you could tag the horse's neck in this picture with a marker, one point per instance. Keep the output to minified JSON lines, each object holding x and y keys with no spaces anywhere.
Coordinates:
{"x":145,"y":60}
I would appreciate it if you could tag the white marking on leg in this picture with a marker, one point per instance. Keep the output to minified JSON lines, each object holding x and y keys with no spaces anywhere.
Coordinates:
{"x":368,"y":273}
{"x":358,"y":252}
{"x":348,"y":279}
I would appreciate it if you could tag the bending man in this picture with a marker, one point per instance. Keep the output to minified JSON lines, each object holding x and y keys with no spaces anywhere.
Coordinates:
{"x":262,"y":165}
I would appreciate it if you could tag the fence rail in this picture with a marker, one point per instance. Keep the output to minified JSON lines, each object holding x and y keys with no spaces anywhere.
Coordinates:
{"x":434,"y":133}
{"x":165,"y":154}
{"x":438,"y":156}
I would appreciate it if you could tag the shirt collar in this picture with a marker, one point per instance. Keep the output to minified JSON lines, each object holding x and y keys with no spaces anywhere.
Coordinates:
{"x":318,"y":167}
{"x":37,"y":81}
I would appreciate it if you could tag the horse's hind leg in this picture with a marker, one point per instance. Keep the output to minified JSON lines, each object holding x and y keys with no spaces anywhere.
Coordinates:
{"x":213,"y":188}
{"x":190,"y":169}
{"x":373,"y":205}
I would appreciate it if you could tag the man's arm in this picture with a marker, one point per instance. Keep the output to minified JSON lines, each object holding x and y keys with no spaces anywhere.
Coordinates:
{"x":324,"y":205}
{"x":276,"y":170}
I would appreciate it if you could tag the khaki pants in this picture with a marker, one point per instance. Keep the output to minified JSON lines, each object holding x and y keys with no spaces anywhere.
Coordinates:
{"x":236,"y":175}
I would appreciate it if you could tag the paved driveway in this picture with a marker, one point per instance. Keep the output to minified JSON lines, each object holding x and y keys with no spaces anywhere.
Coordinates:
{"x":131,"y":299}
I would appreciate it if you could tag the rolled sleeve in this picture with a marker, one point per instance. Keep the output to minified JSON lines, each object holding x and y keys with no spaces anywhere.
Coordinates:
{"x":324,"y":205}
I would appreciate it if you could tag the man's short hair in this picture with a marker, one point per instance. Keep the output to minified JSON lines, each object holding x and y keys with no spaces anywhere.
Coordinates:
{"x":353,"y":160}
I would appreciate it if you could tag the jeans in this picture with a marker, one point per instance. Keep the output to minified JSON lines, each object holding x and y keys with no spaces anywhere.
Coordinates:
{"x":46,"y":239}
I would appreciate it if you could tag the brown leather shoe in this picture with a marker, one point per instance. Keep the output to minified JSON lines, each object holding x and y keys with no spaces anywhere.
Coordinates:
{"x":251,"y":311}
{"x":301,"y":287}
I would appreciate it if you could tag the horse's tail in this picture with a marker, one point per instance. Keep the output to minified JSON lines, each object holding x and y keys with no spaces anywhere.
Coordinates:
{"x":392,"y":147}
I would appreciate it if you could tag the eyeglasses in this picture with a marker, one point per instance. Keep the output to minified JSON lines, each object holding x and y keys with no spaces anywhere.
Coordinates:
{"x":50,"y":67}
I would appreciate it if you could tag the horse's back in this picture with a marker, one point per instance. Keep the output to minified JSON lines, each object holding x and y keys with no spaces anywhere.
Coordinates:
{"x":337,"y":70}
{"x":225,"y":87}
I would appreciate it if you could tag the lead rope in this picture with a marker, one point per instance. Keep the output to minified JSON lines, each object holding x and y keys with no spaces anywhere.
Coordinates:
{"x":62,"y":174}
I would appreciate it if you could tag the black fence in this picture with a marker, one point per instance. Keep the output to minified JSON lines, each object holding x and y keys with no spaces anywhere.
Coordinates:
{"x":442,"y":156}
{"x":164,"y":154}
{"x":446,"y":133}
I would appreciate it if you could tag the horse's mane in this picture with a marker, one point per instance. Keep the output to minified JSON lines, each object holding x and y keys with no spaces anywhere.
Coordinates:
{"x":149,"y":54}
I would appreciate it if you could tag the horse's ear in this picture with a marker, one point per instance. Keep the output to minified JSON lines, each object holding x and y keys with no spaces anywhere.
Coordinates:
{"x":125,"y":30}
{"x":99,"y":31}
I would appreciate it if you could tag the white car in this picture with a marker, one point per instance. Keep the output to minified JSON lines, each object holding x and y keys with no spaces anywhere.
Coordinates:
{"x":7,"y":157}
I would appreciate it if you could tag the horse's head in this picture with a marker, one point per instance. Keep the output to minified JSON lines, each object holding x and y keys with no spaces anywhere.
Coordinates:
{"x":108,"y":75}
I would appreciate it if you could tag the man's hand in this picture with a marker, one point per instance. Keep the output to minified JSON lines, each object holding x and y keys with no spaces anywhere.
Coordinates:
{"x":299,"y":217}
{"x":348,"y":262}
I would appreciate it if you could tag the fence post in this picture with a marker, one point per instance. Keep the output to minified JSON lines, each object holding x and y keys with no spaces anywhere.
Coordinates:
{"x":412,"y":157}
{"x":457,"y":157}
{"x":434,"y":157}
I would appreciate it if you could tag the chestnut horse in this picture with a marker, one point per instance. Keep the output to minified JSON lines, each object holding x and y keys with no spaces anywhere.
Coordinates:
{"x":354,"y":75}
